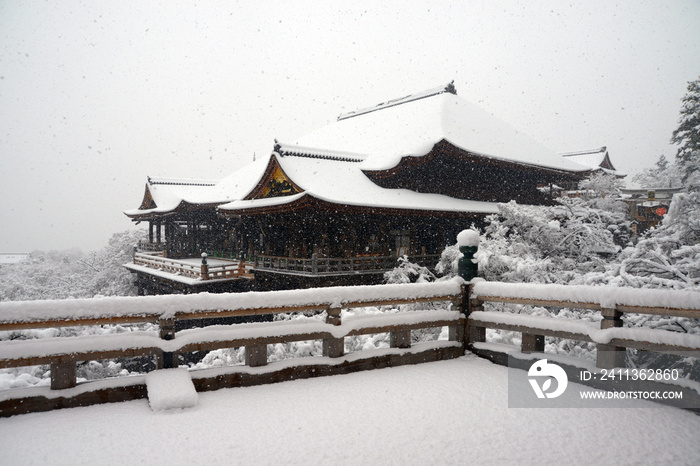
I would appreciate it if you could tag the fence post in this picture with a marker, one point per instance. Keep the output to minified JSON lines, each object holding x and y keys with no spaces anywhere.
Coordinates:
{"x":167,"y":360}
{"x":475,"y":334}
{"x":205,"y":267}
{"x":609,"y":356}
{"x":314,"y":263}
{"x":256,"y":355}
{"x":532,"y":343}
{"x":63,"y":375}
{"x":400,"y":339}
{"x":458,"y":332}
{"x":333,"y":347}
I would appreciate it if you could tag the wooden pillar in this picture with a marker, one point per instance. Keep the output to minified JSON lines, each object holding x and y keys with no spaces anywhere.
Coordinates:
{"x":334,"y":347}
{"x":158,"y":225}
{"x":205,"y":267}
{"x":167,"y":360}
{"x":475,"y":334}
{"x":314,"y":263}
{"x":169,"y":240}
{"x":458,"y":332}
{"x":532,"y":343}
{"x":400,"y":339}
{"x":256,"y":355}
{"x":63,"y":375}
{"x":609,"y":356}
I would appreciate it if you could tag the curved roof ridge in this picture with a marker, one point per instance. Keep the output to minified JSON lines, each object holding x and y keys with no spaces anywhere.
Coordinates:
{"x":584,"y":152}
{"x":285,"y":150}
{"x":181,"y":181}
{"x":449,"y":88}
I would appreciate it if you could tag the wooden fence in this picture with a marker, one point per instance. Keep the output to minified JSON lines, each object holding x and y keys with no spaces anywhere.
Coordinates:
{"x":333,"y":265}
{"x":63,"y":353}
{"x":463,"y":312}
{"x":201,"y":271}
{"x":610,"y":337}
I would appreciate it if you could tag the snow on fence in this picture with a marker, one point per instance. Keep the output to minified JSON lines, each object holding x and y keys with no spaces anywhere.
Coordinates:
{"x":63,"y":353}
{"x":218,"y":269}
{"x":610,"y":337}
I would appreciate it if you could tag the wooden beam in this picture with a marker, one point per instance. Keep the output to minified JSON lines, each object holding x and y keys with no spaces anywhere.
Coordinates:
{"x":689,"y":313}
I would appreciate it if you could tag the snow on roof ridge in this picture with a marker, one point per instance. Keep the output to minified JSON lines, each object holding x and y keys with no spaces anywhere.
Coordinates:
{"x":449,"y":88}
{"x":293,"y":150}
{"x":584,"y":152}
{"x":181,"y":181}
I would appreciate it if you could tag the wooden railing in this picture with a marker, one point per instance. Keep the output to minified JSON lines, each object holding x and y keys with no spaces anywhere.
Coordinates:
{"x":610,"y":337}
{"x":63,"y":353}
{"x":147,"y":246}
{"x":203,"y":271}
{"x":335,"y":266}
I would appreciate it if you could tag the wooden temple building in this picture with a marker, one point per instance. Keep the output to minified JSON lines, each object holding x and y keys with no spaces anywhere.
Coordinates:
{"x":595,"y":160}
{"x":648,"y":206}
{"x":340,"y":205}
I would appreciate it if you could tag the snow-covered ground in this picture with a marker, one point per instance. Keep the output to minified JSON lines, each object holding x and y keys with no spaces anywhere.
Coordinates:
{"x":448,"y":412}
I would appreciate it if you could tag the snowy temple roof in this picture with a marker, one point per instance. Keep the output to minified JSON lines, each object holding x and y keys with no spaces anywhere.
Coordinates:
{"x":594,"y":159}
{"x":340,"y":182}
{"x":167,"y":194}
{"x":412,"y":125}
{"x":331,"y":164}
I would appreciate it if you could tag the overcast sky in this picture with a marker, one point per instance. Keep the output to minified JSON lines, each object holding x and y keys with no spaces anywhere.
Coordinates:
{"x":96,"y":95}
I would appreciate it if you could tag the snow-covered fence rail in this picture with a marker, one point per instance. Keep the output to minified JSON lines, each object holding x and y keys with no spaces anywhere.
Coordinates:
{"x":205,"y":271}
{"x":63,"y":353}
{"x":610,"y":337}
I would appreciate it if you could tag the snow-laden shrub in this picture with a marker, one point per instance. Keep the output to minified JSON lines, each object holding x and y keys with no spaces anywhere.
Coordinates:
{"x":408,"y":272}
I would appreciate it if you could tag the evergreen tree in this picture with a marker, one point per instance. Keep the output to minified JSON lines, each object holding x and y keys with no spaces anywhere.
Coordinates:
{"x":687,"y":136}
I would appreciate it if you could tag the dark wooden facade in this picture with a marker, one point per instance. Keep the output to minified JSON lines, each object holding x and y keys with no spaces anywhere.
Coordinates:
{"x":454,"y":172}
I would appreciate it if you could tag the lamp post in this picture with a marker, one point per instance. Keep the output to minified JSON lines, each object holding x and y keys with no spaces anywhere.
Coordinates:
{"x":468,"y":243}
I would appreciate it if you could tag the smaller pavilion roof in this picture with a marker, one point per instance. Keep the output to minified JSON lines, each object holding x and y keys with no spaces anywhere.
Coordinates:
{"x":593,"y":159}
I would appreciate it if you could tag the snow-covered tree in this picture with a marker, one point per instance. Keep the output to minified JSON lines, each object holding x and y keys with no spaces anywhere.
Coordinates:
{"x":72,"y":273}
{"x":667,"y":257}
{"x":602,"y":185}
{"x":662,"y":175}
{"x":687,"y":137}
{"x":556,"y":244}
{"x":408,"y":272}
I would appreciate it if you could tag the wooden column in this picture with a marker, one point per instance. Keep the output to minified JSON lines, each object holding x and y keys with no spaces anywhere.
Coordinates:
{"x":63,"y":375}
{"x":334,"y":347}
{"x":458,"y":332}
{"x":532,"y":343}
{"x":475,"y":334}
{"x":256,"y":355}
{"x":314,"y":263}
{"x":204,"y":270}
{"x":167,"y":360}
{"x":400,"y":339}
{"x":609,"y":356}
